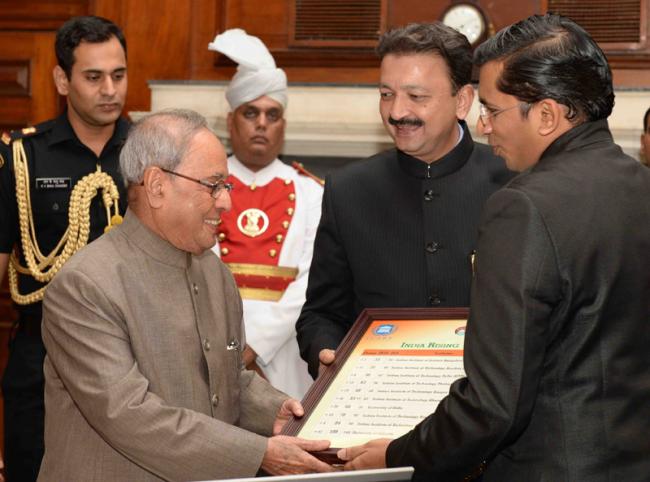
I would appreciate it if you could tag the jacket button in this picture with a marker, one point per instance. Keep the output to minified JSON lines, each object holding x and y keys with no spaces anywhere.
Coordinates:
{"x":429,"y":195}
{"x":432,"y":247}
{"x":215,"y":400}
{"x":206,"y":344}
{"x":195,"y":288}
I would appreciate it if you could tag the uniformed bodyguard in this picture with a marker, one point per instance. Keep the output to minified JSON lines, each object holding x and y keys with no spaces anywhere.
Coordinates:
{"x":267,"y":238}
{"x":59,"y":189}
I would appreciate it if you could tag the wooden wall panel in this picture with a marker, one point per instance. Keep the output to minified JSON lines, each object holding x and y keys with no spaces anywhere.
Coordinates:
{"x":30,"y":96}
{"x":158,"y":37}
{"x":206,"y":21}
{"x":112,"y":10}
{"x":14,"y":78}
{"x":39,"y":14}
{"x":45,"y":98}
{"x":269,"y":18}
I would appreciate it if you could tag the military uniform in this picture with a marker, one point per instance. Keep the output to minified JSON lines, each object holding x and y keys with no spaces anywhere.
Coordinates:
{"x":267,"y":241}
{"x":56,"y":160}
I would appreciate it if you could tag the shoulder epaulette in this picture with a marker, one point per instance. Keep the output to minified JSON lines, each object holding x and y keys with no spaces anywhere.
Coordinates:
{"x":30,"y":131}
{"x":298,"y":166}
{"x":8,"y":137}
{"x":23,"y":133}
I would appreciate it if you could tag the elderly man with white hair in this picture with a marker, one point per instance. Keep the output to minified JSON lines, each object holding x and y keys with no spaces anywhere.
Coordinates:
{"x":144,"y":377}
{"x":267,"y":238}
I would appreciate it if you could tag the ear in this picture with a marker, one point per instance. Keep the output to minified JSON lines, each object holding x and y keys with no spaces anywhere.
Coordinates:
{"x":155,"y":183}
{"x":551,"y":117}
{"x":464,"y":99}
{"x":60,"y":80}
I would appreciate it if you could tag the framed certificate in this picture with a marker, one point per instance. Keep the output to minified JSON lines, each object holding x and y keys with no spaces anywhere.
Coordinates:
{"x":391,"y":370}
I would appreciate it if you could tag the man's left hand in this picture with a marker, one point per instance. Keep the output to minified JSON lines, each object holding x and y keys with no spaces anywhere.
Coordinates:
{"x":290,"y":407}
{"x":371,"y":455}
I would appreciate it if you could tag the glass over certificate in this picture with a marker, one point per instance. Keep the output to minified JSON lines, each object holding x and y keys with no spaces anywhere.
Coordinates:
{"x":391,"y":371}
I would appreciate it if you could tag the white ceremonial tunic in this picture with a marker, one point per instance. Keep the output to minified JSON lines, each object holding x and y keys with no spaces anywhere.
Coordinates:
{"x":270,"y":325}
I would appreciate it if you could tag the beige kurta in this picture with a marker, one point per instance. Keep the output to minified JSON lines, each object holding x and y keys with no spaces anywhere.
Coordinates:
{"x":143,"y":372}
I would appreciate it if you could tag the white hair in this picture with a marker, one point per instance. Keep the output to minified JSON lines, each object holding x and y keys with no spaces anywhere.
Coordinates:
{"x":159,"y":139}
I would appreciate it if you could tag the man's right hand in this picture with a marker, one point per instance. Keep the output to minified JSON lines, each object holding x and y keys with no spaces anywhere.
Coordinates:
{"x":288,"y":455}
{"x":326,"y":357}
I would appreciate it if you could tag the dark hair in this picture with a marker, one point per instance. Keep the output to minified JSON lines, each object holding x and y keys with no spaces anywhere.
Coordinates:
{"x":645,"y":120}
{"x":435,"y":38}
{"x":552,"y":57}
{"x":83,"y":29}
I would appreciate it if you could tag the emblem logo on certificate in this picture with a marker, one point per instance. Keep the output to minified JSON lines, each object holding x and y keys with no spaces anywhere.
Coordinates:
{"x":390,"y":372}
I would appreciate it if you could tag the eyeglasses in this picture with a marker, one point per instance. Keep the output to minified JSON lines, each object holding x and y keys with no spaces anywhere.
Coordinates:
{"x":486,"y":114}
{"x":215,"y":187}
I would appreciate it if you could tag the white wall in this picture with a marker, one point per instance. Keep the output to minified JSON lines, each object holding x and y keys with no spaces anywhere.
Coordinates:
{"x":344,"y":120}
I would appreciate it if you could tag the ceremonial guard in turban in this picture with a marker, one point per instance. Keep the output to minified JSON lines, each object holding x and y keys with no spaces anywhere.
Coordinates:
{"x":267,"y":238}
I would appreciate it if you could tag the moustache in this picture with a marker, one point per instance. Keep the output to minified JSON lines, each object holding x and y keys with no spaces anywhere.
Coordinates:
{"x":405,"y":122}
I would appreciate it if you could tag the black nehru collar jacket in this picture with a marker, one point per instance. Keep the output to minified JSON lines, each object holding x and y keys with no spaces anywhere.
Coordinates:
{"x":395,"y":232}
{"x":449,"y":163}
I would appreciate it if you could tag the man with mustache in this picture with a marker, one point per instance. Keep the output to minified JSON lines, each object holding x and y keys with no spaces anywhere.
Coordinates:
{"x":556,"y":350}
{"x":40,"y":169}
{"x":399,"y":229}
{"x":267,"y":238}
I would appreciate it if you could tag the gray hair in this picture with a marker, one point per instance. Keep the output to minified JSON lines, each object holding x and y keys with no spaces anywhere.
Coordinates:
{"x":160,"y":139}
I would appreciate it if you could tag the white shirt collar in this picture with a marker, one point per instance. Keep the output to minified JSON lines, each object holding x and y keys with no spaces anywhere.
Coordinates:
{"x":261,"y":177}
{"x":461,"y":133}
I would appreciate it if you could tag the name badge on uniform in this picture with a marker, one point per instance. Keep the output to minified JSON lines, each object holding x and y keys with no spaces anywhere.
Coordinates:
{"x":53,"y":183}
